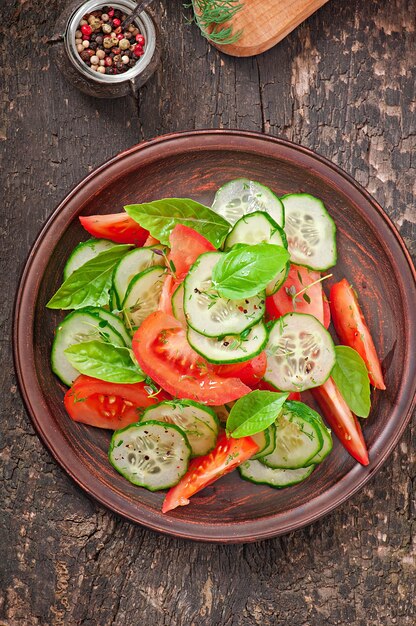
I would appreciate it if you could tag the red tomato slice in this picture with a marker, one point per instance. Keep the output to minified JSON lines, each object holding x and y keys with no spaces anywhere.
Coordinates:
{"x":297,"y":279}
{"x":204,"y":470}
{"x":327,"y":311}
{"x":163,"y":352}
{"x":339,"y":417}
{"x":108,"y":405}
{"x":263,"y":385}
{"x":352,"y":329}
{"x":186,"y":245}
{"x":250,"y":372}
{"x":165,"y":302}
{"x":118,"y":227}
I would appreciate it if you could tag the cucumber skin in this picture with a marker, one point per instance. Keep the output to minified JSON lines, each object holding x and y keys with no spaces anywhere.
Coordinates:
{"x":113,"y":286}
{"x":264,"y":482}
{"x":150,"y":423}
{"x":334,"y":233}
{"x":266,"y":216}
{"x":80,"y":246}
{"x":230,"y":362}
{"x":261,"y":453}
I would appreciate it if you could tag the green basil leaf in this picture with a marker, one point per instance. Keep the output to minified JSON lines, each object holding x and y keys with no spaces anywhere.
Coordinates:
{"x":246,"y":271}
{"x":105,"y":362}
{"x":89,"y":285}
{"x":161,"y":216}
{"x":254,"y":412}
{"x":351,"y":377}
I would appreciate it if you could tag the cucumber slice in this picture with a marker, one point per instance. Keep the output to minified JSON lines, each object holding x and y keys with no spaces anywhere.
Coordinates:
{"x":177,"y":305}
{"x":298,"y":439}
{"x":85,"y":251}
{"x":241,"y":196}
{"x":310,"y":232}
{"x":150,"y":454}
{"x":300,"y":353}
{"x":201,"y":437}
{"x":259,"y":227}
{"x":78,"y":327}
{"x":271,"y":434}
{"x":256,"y":472}
{"x":113,"y":300}
{"x":208,"y":313}
{"x":142,"y":297}
{"x":231,"y":348}
{"x":133,"y":263}
{"x":114,"y":321}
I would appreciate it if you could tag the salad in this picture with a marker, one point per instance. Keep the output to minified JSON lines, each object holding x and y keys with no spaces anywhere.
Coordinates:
{"x":193,"y":332}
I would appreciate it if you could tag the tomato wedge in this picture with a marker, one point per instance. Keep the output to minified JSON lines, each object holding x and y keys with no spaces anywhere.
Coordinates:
{"x":163,"y":352}
{"x":352,"y":329}
{"x":165,"y":302}
{"x":282,"y":301}
{"x":151,"y":241}
{"x":108,"y":405}
{"x":339,"y":417}
{"x":204,"y":470}
{"x":186,"y":245}
{"x":118,"y":227}
{"x":250,"y":372}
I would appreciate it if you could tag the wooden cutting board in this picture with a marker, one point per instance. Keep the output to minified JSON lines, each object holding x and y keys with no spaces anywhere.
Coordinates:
{"x":266,"y":22}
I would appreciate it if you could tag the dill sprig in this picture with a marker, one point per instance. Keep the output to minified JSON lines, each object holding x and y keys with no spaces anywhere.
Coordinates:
{"x":209,"y":15}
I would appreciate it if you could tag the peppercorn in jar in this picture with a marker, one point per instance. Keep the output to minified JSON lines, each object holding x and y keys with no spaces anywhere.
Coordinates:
{"x":104,"y":46}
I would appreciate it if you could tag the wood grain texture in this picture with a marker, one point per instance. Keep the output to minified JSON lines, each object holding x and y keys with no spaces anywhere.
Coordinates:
{"x":343,"y":84}
{"x":263,"y":23}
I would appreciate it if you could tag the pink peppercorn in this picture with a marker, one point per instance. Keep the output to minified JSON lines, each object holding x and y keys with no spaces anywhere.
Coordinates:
{"x":138,"y":51}
{"x":140,"y":39}
{"x":110,"y":13}
{"x":120,"y":36}
{"x":116,"y":22}
{"x":86,"y":30}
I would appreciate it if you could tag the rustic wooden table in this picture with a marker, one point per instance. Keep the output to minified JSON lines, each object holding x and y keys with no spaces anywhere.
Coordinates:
{"x":343,"y":84}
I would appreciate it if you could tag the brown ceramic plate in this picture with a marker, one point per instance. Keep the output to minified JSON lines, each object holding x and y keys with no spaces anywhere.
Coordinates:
{"x":371,"y":255}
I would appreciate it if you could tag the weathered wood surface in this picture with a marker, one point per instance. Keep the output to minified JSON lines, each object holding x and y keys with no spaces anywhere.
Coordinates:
{"x":344,"y":84}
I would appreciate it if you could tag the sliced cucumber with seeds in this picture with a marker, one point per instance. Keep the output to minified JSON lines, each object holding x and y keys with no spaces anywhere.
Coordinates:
{"x":114,"y":321}
{"x":202,"y":438}
{"x":231,"y":348}
{"x":78,"y":327}
{"x":142,"y":297}
{"x":241,"y":196}
{"x":255,"y":228}
{"x":298,"y":438}
{"x":132,"y":264}
{"x":258,"y":473}
{"x":270,"y":436}
{"x":310,"y":232}
{"x":150,"y":454}
{"x":177,"y":304}
{"x":85,"y":251}
{"x":300,"y":353}
{"x":208,"y":313}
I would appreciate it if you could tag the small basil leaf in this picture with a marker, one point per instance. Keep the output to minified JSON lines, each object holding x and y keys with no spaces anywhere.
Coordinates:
{"x":351,"y":377}
{"x":89,"y":285}
{"x":105,"y":362}
{"x":161,"y":216}
{"x":246,"y":271}
{"x":254,"y":412}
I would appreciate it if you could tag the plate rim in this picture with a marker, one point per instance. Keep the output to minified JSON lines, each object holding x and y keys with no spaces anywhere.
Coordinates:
{"x":241,"y":531}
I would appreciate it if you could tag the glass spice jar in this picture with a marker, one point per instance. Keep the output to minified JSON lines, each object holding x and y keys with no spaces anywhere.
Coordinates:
{"x":67,"y":57}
